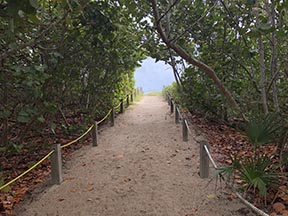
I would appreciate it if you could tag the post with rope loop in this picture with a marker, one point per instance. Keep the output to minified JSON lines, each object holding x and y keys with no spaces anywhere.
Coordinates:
{"x":171,"y":106}
{"x":168,"y":99}
{"x":185,"y":130}
{"x":204,"y":160}
{"x":132,"y":98}
{"x":94,"y":134}
{"x":135,"y":93}
{"x":177,"y":114}
{"x":112,"y":117}
{"x":56,"y":165}
{"x":122,"y":106}
{"x":127,"y":100}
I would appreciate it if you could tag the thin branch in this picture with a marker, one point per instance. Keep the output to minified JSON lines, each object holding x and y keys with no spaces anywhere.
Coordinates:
{"x":233,"y":20}
{"x":168,"y":10}
{"x":273,"y":78}
{"x":197,"y":21}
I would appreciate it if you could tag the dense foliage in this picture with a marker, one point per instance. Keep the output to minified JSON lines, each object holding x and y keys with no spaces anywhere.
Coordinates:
{"x":235,"y":56}
{"x":230,"y":60}
{"x":68,"y":57}
{"x":245,"y":43}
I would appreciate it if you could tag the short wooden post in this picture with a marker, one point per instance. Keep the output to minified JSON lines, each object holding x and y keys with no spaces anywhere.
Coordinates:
{"x":56,"y":165}
{"x":185,"y":130}
{"x":204,"y":160}
{"x":171,"y":106}
{"x":176,"y":114}
{"x":127,"y":100}
{"x":132,"y":98}
{"x":112,"y":117}
{"x":122,"y":106}
{"x":168,"y":100}
{"x":94,"y":134}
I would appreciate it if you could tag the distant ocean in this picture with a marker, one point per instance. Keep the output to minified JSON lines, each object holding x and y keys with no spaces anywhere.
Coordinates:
{"x":153,"y":76}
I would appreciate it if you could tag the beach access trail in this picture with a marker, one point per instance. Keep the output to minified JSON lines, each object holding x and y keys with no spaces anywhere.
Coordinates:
{"x":141,"y":167}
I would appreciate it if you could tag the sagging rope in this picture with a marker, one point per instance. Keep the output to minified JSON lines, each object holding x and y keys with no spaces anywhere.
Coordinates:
{"x":51,"y":152}
{"x":254,"y":208}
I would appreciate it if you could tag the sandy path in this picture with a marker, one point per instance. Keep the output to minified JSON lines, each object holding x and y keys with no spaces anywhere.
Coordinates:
{"x":140,"y":168}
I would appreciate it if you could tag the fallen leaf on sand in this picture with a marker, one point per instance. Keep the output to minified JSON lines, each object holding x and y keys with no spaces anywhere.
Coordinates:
{"x":69,"y":179}
{"x":279,"y":207}
{"x":211,"y":196}
{"x":90,"y":188}
{"x":120,"y":156}
{"x":127,"y":179}
{"x":73,"y":190}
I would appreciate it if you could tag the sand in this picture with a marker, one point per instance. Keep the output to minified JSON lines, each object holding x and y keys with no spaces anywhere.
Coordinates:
{"x":141,"y":167}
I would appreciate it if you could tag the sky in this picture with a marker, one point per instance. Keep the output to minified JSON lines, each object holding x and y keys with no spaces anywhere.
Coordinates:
{"x":153,"y":76}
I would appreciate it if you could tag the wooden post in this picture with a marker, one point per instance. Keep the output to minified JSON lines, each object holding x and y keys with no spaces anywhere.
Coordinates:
{"x":94,"y":134}
{"x":176,"y":114}
{"x":112,"y":117}
{"x":122,"y":106}
{"x":168,"y":99}
{"x":127,"y":100}
{"x":171,"y":106}
{"x":56,"y":165}
{"x":132,"y":97}
{"x":204,"y":160}
{"x":185,"y":130}
{"x":135,"y":93}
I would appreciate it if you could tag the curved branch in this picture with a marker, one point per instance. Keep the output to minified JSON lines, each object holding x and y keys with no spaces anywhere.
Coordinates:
{"x":203,"y":67}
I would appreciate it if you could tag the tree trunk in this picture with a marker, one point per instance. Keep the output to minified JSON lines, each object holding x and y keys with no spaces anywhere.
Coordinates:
{"x":274,"y":59}
{"x":4,"y":136}
{"x":262,"y":76}
{"x":168,"y":33}
{"x":262,"y":70}
{"x":203,"y":67}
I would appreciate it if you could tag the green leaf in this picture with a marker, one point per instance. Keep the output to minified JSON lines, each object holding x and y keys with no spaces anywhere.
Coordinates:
{"x":254,"y":33}
{"x":2,"y":149}
{"x":41,"y":119}
{"x":53,"y":127}
{"x":23,"y":117}
{"x":266,"y":28}
{"x":250,"y":2}
{"x":34,"y":3}
{"x":4,"y":114}
{"x":281,"y":33}
{"x":51,"y":107}
{"x":33,"y":18}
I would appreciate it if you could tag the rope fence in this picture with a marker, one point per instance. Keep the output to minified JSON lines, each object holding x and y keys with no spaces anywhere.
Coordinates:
{"x":205,"y":154}
{"x":55,"y":155}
